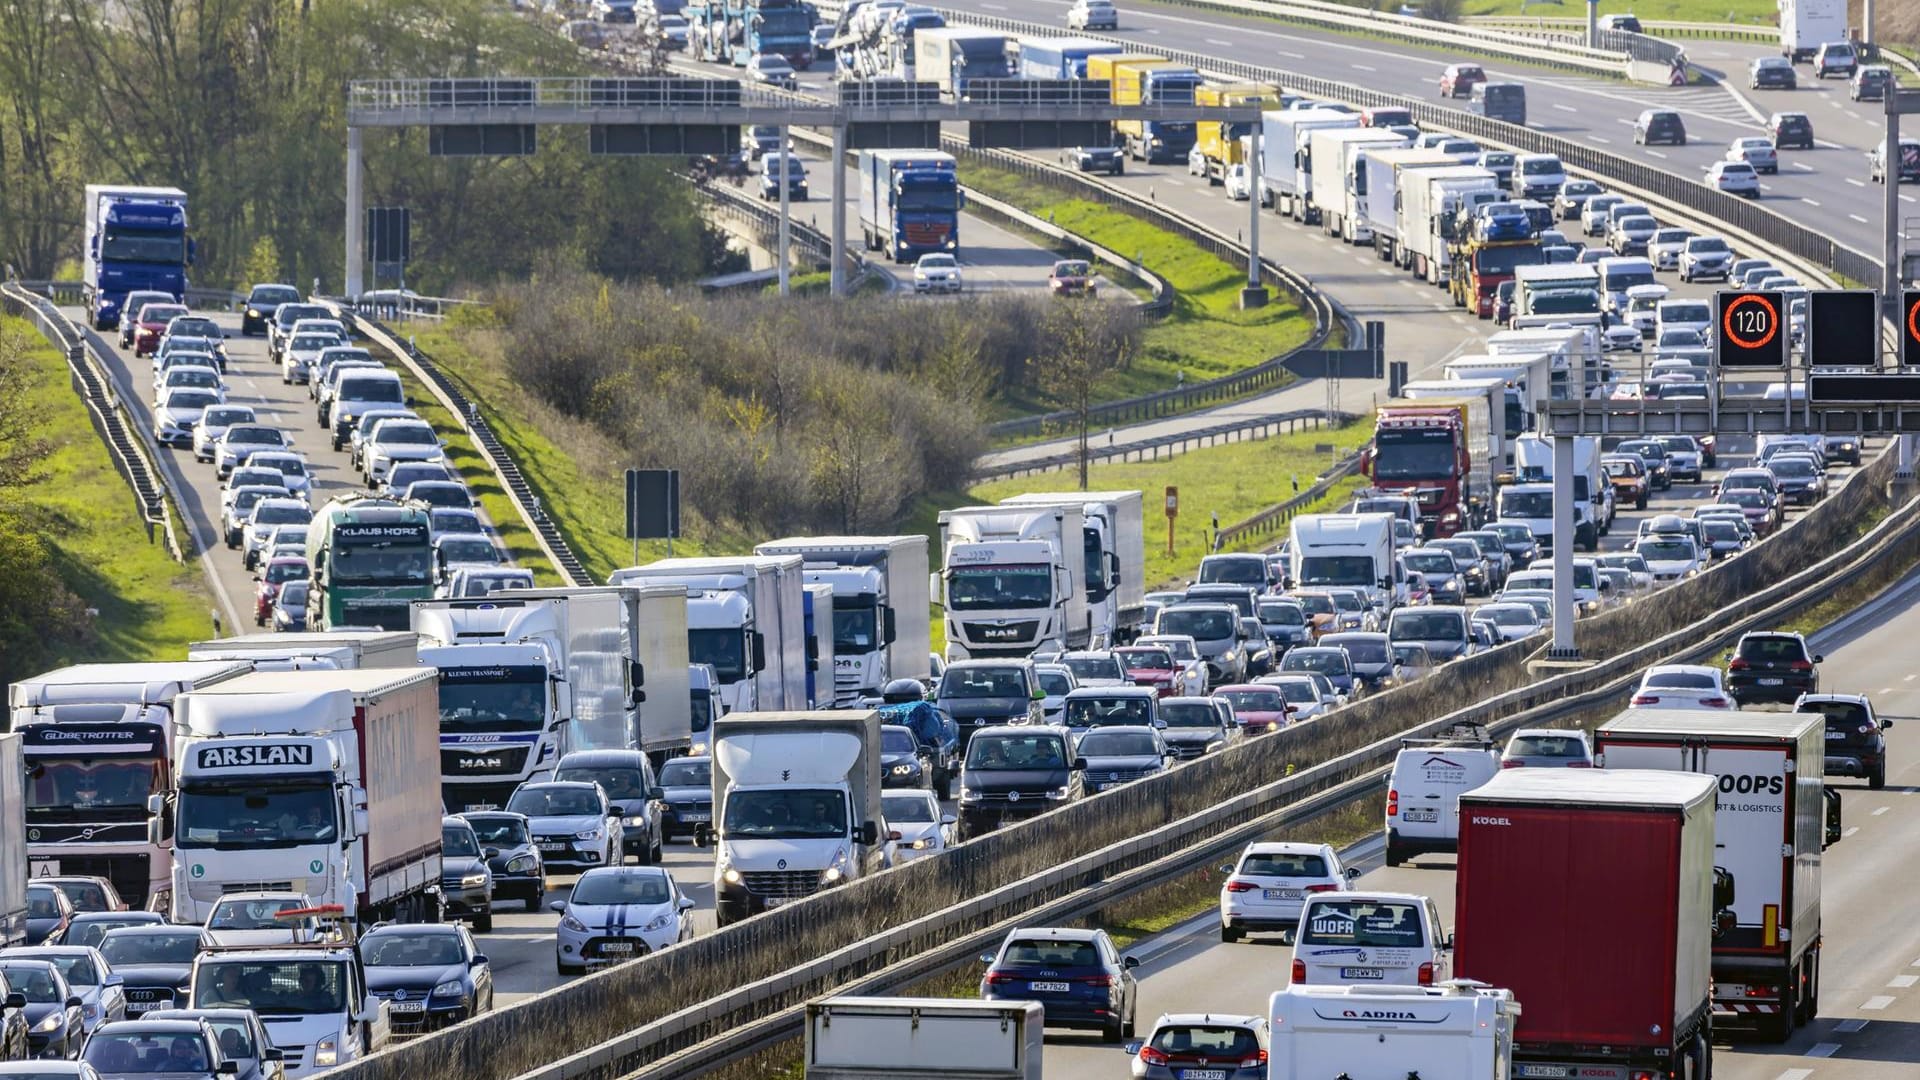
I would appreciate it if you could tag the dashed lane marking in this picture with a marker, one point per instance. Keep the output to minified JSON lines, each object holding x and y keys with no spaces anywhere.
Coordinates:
{"x":1901,"y":982}
{"x":1849,"y":1027}
{"x":1856,"y":183}
{"x":1851,"y":829}
{"x":1823,"y":1050}
{"x":1882,"y":810}
{"x":1876,"y":1003}
{"x":1795,"y":1074}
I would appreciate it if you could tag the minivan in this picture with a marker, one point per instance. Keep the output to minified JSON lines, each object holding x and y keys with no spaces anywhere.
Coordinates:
{"x":1012,"y":773}
{"x":1215,"y":630}
{"x":1371,"y":939}
{"x":1619,"y":274}
{"x":1500,"y":101}
{"x":977,"y":693}
{"x":1423,"y":794}
{"x":1538,"y":176}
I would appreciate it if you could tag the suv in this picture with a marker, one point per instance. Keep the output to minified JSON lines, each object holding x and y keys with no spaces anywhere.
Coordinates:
{"x":1659,"y":126}
{"x":1268,"y":886}
{"x":1835,"y":58}
{"x":1772,"y":665}
{"x":977,"y":693}
{"x":1855,"y":743}
{"x":1179,"y":1041}
{"x":627,"y":778}
{"x":1015,"y":772}
{"x":1790,"y":131}
{"x":1215,"y":630}
{"x":1078,"y":974}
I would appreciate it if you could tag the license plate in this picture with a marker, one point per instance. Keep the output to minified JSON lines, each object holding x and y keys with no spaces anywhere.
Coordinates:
{"x":696,"y":817}
{"x":1729,"y":990}
{"x":1203,"y":1074}
{"x":617,"y":948}
{"x":1280,"y":894}
{"x":553,"y":847}
{"x":1770,"y":682}
{"x":1836,"y":735}
{"x":143,"y":1006}
{"x":407,"y":1006}
{"x":776,"y":901}
{"x":1375,"y":974}
{"x":1420,"y":815}
{"x":1546,"y":1071}
{"x":1048,"y":987}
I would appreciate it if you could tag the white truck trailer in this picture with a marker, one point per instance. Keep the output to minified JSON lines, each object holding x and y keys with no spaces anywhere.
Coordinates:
{"x":1805,"y":25}
{"x":1334,"y":166}
{"x":13,"y":843}
{"x":322,"y":782}
{"x":1429,"y":200}
{"x":881,"y":607}
{"x":1280,"y":135}
{"x":1378,"y":198}
{"x":885,"y":1038}
{"x":1116,"y":566}
{"x":629,"y":646}
{"x":1011,"y":580}
{"x":1458,"y":1031}
{"x":337,"y":650}
{"x":746,"y":617}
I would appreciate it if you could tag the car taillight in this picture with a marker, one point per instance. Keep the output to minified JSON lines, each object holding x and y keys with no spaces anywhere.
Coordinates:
{"x":1258,"y":1060}
{"x":996,"y":978}
{"x":1150,"y":1056}
{"x":1393,"y":802}
{"x":1800,"y":665}
{"x":1714,"y":702}
{"x":1736,"y":664}
{"x":1299,"y":971}
{"x":1426,"y":975}
{"x":1646,"y":699}
{"x":1510,"y":764}
{"x":1241,"y":886}
{"x":1096,"y":980}
{"x":1323,"y":887}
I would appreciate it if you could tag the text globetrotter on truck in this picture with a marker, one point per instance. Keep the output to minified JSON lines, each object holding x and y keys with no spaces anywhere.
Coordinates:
{"x":136,"y":240}
{"x":1589,"y":894}
{"x":1768,"y":830}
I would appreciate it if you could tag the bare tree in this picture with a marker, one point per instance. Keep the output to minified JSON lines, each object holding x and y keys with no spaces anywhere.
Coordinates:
{"x":1089,"y":344}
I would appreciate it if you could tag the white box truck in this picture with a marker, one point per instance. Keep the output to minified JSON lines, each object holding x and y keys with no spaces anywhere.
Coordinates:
{"x":1573,"y":352}
{"x":1805,"y":25}
{"x":321,"y":782}
{"x":886,"y":1038}
{"x":1116,"y":566}
{"x":796,"y":805}
{"x":1334,"y":167}
{"x":1529,"y":379}
{"x":1010,"y":580}
{"x":1346,"y":550}
{"x":99,"y":739}
{"x":746,"y":617}
{"x":337,"y":650}
{"x":631,"y":639}
{"x":1458,"y":1031}
{"x":1429,"y":199}
{"x":881,"y":607}
{"x":1280,"y":135}
{"x":13,"y":843}
{"x":1377,"y":198}
{"x":1530,"y":500}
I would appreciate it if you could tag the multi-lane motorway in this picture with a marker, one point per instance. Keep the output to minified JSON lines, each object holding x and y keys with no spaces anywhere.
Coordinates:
{"x":1869,"y":1022}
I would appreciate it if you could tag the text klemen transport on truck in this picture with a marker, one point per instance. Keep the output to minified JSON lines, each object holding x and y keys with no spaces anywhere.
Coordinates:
{"x":1011,"y":580}
{"x":886,"y":1038}
{"x":1589,"y":894}
{"x":321,"y":782}
{"x":910,"y":203}
{"x":98,"y":740}
{"x":136,"y":240}
{"x":1768,"y":832}
{"x":881,"y":620}
{"x":340,"y":650}
{"x":1459,"y":1031}
{"x":796,"y":803}
{"x":1116,"y":550}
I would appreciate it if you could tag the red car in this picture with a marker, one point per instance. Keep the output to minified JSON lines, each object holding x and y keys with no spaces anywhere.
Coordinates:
{"x":276,"y":573}
{"x":1071,"y":277}
{"x":1259,"y":709}
{"x":1459,"y":79}
{"x":151,"y":324}
{"x":1155,"y":666}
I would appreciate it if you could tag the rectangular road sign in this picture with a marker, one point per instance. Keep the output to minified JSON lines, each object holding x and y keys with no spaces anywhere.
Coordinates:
{"x":1843,"y":328}
{"x":1864,"y":389}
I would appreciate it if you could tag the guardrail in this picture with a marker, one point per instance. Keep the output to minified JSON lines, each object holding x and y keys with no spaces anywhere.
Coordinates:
{"x":116,"y":425}
{"x":1521,"y":24}
{"x":1258,"y":427}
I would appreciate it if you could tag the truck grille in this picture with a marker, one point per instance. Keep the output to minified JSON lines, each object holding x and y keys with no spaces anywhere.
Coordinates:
{"x":208,"y":892}
{"x":1186,"y":750}
{"x":987,"y":635}
{"x":497,"y":761}
{"x":785,"y":884}
{"x":460,"y":798}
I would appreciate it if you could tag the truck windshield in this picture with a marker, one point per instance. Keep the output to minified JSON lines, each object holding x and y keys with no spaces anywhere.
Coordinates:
{"x":1413,"y":455}
{"x":855,"y":625}
{"x":724,"y":648}
{"x":504,"y":698}
{"x":1501,"y":261}
{"x":390,"y":560}
{"x":1336,"y":570}
{"x":141,"y":247}
{"x":786,"y":814}
{"x":272,"y":987}
{"x":1526,"y":504}
{"x":932,"y":197}
{"x":976,"y":588}
{"x":255,"y":815}
{"x":58,"y":788}
{"x":1234,"y":572}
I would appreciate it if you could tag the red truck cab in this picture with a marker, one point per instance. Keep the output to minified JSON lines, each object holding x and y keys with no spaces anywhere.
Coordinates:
{"x":1423,"y":452}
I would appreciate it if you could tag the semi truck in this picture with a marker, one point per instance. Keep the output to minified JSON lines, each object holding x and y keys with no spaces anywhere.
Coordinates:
{"x":1461,"y":1031}
{"x":816,"y":614}
{"x":321,"y":782}
{"x":1153,"y":82}
{"x":796,"y":804}
{"x":98,"y":741}
{"x":1439,"y":452}
{"x":1574,"y":354}
{"x":1010,"y":580}
{"x":340,"y":650}
{"x":1346,"y":551}
{"x":1480,"y":266}
{"x":368,"y":558}
{"x":1116,"y":557}
{"x":1220,"y":142}
{"x":1332,"y":165}
{"x":1768,"y":830}
{"x":953,"y":57}
{"x":1429,"y":200}
{"x":1529,"y":379}
{"x":1378,"y":203}
{"x":647,"y":654}
{"x":1281,"y":133}
{"x":882,"y":1038}
{"x":1496,"y":395}
{"x":745,"y":617}
{"x":735,"y":31}
{"x":909,"y":202}
{"x":136,"y":239}
{"x":1060,"y":58}
{"x":881,"y":607}
{"x":1529,"y":895}
{"x":13,"y":843}
{"x":1805,"y":25}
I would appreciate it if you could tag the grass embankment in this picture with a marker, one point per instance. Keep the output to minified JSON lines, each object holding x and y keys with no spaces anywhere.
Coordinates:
{"x":1205,"y":336}
{"x":1761,"y":12}
{"x":1234,"y":481}
{"x":147,"y":607}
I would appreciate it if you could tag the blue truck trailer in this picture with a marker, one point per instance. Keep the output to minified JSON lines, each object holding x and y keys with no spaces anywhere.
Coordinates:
{"x":909,"y":202}
{"x":136,"y":239}
{"x":1059,"y":58}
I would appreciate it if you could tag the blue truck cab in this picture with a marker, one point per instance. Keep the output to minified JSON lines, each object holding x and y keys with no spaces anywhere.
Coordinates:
{"x":910,"y":203}
{"x":136,"y":239}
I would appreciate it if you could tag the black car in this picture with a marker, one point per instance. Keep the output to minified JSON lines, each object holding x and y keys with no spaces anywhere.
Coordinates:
{"x":1013,"y":773}
{"x":1771,"y":73}
{"x":1654,"y":454}
{"x":177,"y":1049}
{"x":466,"y":882}
{"x":1195,"y":725}
{"x":154,"y":962}
{"x":88,"y":927}
{"x":1660,"y":126}
{"x":902,"y":763}
{"x":1106,"y":159}
{"x":261,"y":303}
{"x":627,"y":777}
{"x":1772,"y":666}
{"x":977,"y":693}
{"x":243,"y":1040}
{"x":687,"y":783}
{"x":1081,"y":977}
{"x":518,"y":872}
{"x":429,"y":975}
{"x":49,"y":912}
{"x":1856,"y":745}
{"x":55,"y":1021}
{"x":1871,"y":83}
{"x":1791,"y":131}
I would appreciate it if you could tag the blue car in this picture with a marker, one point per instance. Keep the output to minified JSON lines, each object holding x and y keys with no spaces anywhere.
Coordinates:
{"x":1078,"y":975}
{"x":430,"y":975}
{"x":1329,"y":660}
{"x":48,"y":914}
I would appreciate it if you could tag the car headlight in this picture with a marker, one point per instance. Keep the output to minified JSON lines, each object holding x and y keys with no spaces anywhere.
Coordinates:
{"x":902,"y":770}
{"x":450,"y":988}
{"x":472,"y":881}
{"x":922,"y":844}
{"x":831,"y":874}
{"x":51,"y":1023}
{"x":252,"y":314}
{"x":730,"y":876}
{"x":637,"y":821}
{"x":326,"y":1052}
{"x":571,"y":924}
{"x":659,"y":922}
{"x":520,"y":864}
{"x":968,"y":794}
{"x":1058,"y":793}
{"x":587,"y":834}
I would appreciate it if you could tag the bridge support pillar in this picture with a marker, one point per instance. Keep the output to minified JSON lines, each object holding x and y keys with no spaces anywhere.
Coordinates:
{"x":356,"y":218}
{"x":837,"y":256}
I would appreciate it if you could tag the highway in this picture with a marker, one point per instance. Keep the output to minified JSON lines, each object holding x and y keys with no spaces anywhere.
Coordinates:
{"x":1869,"y":1022}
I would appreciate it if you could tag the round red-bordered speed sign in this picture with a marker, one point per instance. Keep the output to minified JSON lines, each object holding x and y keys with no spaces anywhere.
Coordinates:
{"x":1749,"y":341}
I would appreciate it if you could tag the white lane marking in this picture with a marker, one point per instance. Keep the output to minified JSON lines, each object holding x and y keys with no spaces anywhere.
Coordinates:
{"x":1803,"y":166}
{"x":1795,"y":1074}
{"x":1886,"y":689}
{"x":1849,"y":1027}
{"x":1598,"y":139}
{"x":1623,"y":120}
{"x":1363,"y":67}
{"x":1882,"y":810}
{"x":1565,"y":108}
{"x":1906,"y":198}
{"x":1901,"y":982}
{"x":1851,"y":829}
{"x":1823,"y":1050}
{"x":1656,"y":153}
{"x":1909,"y":678}
{"x":1808,"y":201}
{"x":1856,"y":183}
{"x":1217,"y":41}
{"x":1766,"y":187}
{"x":1877,"y":1002}
{"x":1291,"y":55}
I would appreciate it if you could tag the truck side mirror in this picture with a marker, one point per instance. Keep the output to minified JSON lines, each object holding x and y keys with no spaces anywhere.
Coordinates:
{"x":759,"y":652}
{"x":1723,"y":888}
{"x":359,"y":821}
{"x":887,"y":631}
{"x":155,"y":803}
{"x":869,"y":833}
{"x":637,"y":674}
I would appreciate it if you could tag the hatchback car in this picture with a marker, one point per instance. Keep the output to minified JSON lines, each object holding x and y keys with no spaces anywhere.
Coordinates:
{"x":243,"y":1040}
{"x":573,"y":822}
{"x":1547,"y":748}
{"x":56,"y":1025}
{"x":1772,"y":666}
{"x":1660,"y":126}
{"x":1078,"y":975}
{"x":618,"y":913}
{"x":1790,"y":131}
{"x":1771,"y":73}
{"x":176,"y":1049}
{"x":1266,"y":888}
{"x":430,"y":976}
{"x":1573,"y":196}
{"x":88,"y":977}
{"x":1836,"y":58}
{"x":1093,"y":15}
{"x":1215,"y":1046}
{"x":916,"y":824}
{"x":1258,"y":707}
{"x":1856,"y":743}
{"x":1756,"y":151}
{"x":1734,"y":178}
{"x":1871,"y":82}
{"x":686,"y":784}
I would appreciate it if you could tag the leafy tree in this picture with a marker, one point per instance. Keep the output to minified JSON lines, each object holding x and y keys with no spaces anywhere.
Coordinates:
{"x":1087,"y":347}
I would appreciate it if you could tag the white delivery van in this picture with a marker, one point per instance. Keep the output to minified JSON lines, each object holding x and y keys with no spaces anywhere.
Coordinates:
{"x":1371,"y":939}
{"x":1423,"y":794}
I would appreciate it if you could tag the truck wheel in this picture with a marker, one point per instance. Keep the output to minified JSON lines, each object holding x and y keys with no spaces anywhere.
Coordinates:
{"x":1640,"y":503}
{"x":1700,"y":1056}
{"x":1778,"y":1027}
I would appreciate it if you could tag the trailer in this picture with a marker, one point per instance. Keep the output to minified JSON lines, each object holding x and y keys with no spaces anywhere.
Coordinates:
{"x":1116,"y":547}
{"x":13,"y":843}
{"x":1459,"y":1031}
{"x":885,"y":1038}
{"x":1331,"y":162}
{"x":1060,"y":58}
{"x":1429,"y":200}
{"x":631,"y":667}
{"x":1281,"y":135}
{"x":881,"y":607}
{"x":339,"y":650}
{"x":1377,"y":200}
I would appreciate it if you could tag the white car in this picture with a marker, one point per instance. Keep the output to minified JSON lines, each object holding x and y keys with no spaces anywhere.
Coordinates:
{"x":1056,"y":681}
{"x":214,"y":423}
{"x":1643,"y":306}
{"x":242,"y":440}
{"x":773,"y":70}
{"x":1593,"y":216}
{"x":1196,"y":162}
{"x":1093,"y":15}
{"x":615,"y":913}
{"x":1670,"y":556}
{"x":1508,"y":622}
{"x":1687,"y":314}
{"x":1239,"y":183}
{"x":1096,"y":669}
{"x":1682,"y":686}
{"x":1705,"y":257}
{"x":1756,"y":151}
{"x":1302,"y":694}
{"x":916,"y":824}
{"x":1186,"y":656}
{"x":1640,"y":576}
{"x":252,"y":919}
{"x":268,"y":514}
{"x":393,"y":441}
{"x":175,"y":417}
{"x":1268,"y":885}
{"x":291,"y":467}
{"x":1665,"y":247}
{"x":1734,"y":178}
{"x":303,"y":351}
{"x":937,"y":272}
{"x":190,"y":376}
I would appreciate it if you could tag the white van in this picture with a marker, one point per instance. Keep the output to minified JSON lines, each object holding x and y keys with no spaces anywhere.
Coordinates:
{"x":1619,"y":274}
{"x":1423,"y":794}
{"x":1371,"y":939}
